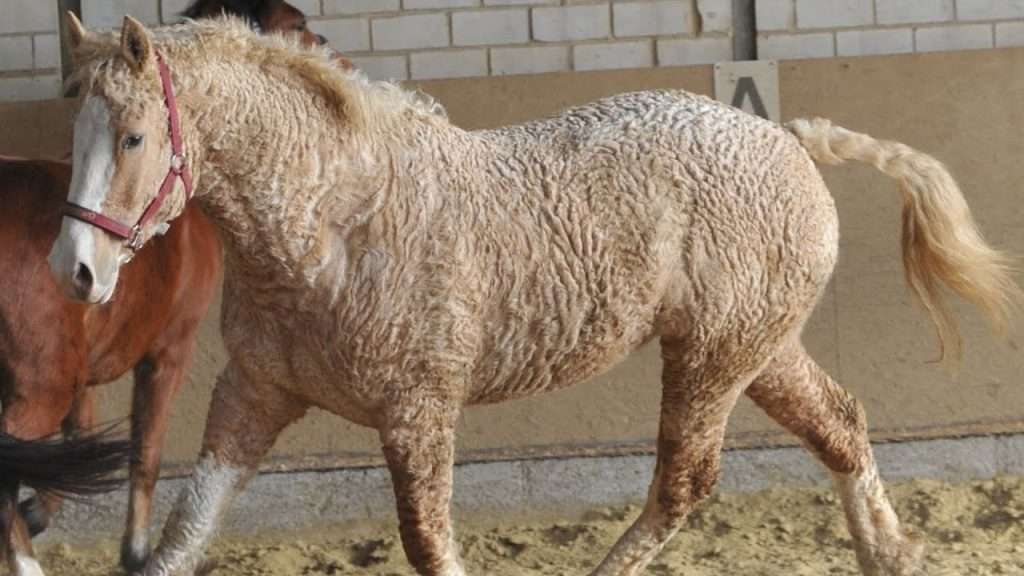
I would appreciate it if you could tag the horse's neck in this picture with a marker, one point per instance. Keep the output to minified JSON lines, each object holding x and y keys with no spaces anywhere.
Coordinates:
{"x":274,"y":177}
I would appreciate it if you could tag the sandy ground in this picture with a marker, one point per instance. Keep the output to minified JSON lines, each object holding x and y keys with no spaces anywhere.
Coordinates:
{"x":972,"y":529}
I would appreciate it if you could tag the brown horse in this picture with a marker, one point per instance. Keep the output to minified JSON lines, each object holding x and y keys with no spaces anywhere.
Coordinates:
{"x":52,"y":350}
{"x":80,"y":466}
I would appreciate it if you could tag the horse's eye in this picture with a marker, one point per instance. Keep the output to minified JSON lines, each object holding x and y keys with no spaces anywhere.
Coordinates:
{"x":131,"y":141}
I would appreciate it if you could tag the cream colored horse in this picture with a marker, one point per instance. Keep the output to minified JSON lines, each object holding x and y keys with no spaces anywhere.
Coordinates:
{"x":392,"y":268}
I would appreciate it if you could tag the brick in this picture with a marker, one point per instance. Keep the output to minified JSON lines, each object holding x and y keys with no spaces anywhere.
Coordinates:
{"x":989,"y":9}
{"x":611,"y":56}
{"x":29,"y":88}
{"x":529,"y":60}
{"x":833,"y":13}
{"x":1010,"y":34}
{"x":360,"y":6}
{"x":715,"y":15}
{"x":913,"y":11}
{"x":383,"y":67}
{"x":46,"y":51}
{"x":967,"y":37}
{"x":344,"y":34}
{"x":28,"y":16}
{"x":796,"y":46}
{"x":691,"y":52}
{"x":490,"y":27}
{"x":560,"y":24}
{"x":430,"y":4}
{"x":866,"y":42}
{"x":449,"y":64}
{"x":410,"y":32}
{"x":519,"y":2}
{"x":16,"y":53}
{"x":775,"y":14}
{"x":651,"y":18}
{"x":111,"y":13}
{"x":170,"y":10}
{"x":307,"y":7}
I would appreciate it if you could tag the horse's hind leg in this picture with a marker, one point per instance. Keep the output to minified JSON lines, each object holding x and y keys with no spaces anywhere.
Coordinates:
{"x":419,"y":446}
{"x":698,"y":396}
{"x":800,"y":396}
{"x":157,"y":381}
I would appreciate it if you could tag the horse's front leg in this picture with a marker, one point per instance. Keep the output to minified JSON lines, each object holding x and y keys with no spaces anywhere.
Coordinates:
{"x":419,"y":446}
{"x":157,"y":381}
{"x":25,"y":419}
{"x":245,"y":418}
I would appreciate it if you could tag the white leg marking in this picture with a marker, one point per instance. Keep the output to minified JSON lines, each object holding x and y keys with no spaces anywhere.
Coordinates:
{"x":195,"y":518}
{"x":26,"y":566}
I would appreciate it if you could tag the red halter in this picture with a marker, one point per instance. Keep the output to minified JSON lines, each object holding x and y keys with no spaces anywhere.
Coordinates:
{"x":178,"y":169}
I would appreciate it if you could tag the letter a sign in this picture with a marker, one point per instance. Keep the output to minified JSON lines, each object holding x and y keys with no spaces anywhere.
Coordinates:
{"x":751,"y":85}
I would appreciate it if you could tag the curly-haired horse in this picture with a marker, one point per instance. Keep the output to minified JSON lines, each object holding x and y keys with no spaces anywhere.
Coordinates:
{"x":390,"y":267}
{"x":53,"y":350}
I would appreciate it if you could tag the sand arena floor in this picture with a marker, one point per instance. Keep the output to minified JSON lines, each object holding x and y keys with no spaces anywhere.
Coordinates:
{"x":972,"y":529}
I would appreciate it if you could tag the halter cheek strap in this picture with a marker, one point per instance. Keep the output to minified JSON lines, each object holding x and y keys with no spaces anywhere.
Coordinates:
{"x":178,"y":169}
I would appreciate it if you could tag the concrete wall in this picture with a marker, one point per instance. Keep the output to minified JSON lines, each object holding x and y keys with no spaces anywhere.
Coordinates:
{"x":866,"y":332}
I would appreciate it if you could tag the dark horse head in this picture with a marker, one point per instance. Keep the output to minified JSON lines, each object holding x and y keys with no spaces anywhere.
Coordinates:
{"x":264,"y":16}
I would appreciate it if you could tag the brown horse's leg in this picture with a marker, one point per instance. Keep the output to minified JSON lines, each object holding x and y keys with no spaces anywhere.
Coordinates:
{"x":698,"y":396}
{"x":801,"y":397}
{"x":420,"y":452}
{"x":18,"y":548}
{"x":245,"y":418}
{"x":40,"y":509}
{"x":29,"y":420}
{"x":157,"y":382}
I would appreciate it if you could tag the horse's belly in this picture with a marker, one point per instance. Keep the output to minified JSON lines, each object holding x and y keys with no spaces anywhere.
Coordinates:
{"x":544,"y":357}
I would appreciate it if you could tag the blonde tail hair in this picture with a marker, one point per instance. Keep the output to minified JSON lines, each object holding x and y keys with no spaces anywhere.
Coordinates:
{"x":941,"y":242}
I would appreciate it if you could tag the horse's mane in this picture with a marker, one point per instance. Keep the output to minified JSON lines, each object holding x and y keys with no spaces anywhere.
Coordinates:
{"x":362,"y":102}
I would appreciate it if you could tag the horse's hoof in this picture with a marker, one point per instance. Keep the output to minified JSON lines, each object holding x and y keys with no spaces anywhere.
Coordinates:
{"x":35,"y":515}
{"x":133,"y":560}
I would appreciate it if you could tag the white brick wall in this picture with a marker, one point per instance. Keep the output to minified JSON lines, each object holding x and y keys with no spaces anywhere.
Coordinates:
{"x":29,"y":51}
{"x":419,"y":39}
{"x":824,"y":28}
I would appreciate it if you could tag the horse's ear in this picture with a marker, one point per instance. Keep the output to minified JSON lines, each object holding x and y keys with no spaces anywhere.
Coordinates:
{"x":135,"y":45}
{"x":76,"y":32}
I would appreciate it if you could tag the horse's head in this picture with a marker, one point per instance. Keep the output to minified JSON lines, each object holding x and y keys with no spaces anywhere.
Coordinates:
{"x":128,"y":179}
{"x":266,"y":17}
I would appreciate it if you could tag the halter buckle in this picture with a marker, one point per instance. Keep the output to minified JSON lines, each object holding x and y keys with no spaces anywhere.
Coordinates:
{"x":178,"y":160}
{"x":135,"y":241}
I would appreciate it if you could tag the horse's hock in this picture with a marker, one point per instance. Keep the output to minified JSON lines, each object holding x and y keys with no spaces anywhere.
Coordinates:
{"x":592,"y":444}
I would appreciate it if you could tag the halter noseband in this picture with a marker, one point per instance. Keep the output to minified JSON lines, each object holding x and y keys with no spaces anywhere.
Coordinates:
{"x":179,"y":169}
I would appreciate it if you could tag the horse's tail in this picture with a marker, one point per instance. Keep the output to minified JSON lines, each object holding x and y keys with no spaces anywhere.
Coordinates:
{"x":941,"y":243}
{"x":83,"y":465}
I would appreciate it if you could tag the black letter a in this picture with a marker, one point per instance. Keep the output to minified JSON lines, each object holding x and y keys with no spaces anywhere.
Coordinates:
{"x":745,"y":88}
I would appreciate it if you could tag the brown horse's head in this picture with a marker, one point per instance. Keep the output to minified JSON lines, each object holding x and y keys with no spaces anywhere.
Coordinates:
{"x":265,"y":16}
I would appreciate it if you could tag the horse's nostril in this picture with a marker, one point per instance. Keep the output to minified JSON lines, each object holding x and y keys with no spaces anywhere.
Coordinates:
{"x":321,"y":39}
{"x":82,"y":280}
